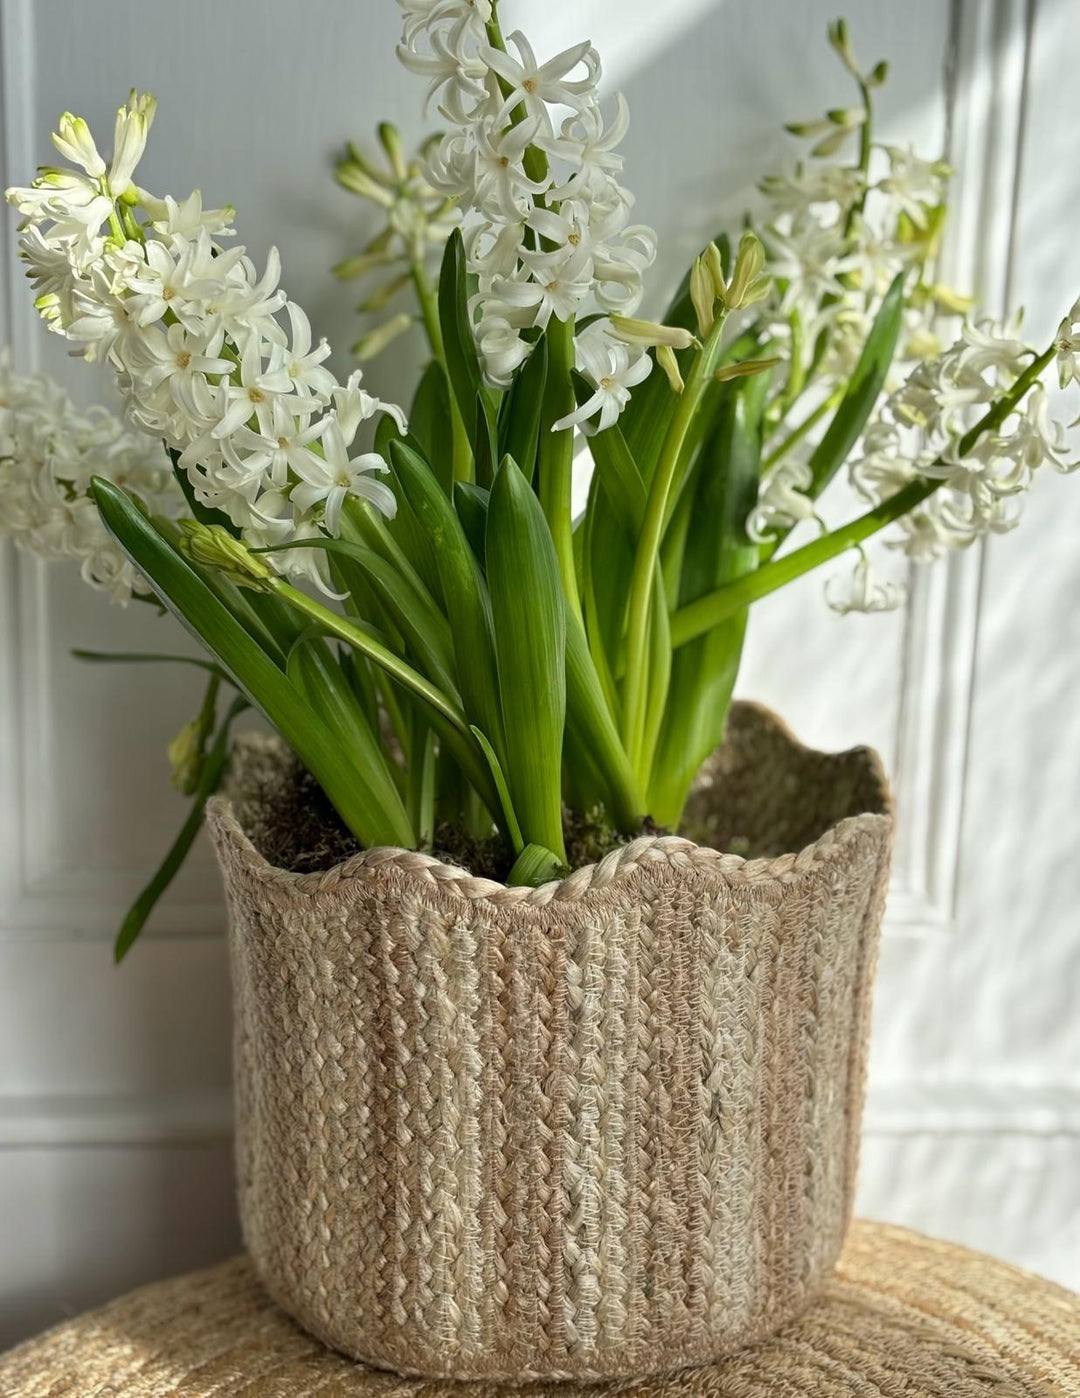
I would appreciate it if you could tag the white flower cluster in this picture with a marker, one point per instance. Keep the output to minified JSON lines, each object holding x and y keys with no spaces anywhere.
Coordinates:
{"x":194,"y":333}
{"x":49,"y":450}
{"x":836,"y":238}
{"x":548,"y":231}
{"x":921,"y":428}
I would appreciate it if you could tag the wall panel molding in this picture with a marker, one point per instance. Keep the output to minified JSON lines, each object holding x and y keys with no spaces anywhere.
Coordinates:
{"x":986,"y":79}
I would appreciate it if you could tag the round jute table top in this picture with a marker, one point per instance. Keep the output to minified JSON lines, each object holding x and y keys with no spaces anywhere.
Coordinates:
{"x":904,"y":1316}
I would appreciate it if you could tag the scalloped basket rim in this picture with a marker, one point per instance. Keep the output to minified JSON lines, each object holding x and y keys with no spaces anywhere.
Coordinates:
{"x":621,"y":863}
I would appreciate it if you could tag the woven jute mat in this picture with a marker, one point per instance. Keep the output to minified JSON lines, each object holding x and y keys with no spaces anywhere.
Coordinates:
{"x":904,"y":1317}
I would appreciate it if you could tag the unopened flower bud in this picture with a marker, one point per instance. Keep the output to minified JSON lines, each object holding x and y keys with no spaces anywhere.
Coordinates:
{"x":749,"y":263}
{"x":185,"y":757}
{"x":715,"y":262}
{"x":390,"y":140}
{"x":212,"y":546}
{"x":647,"y":333}
{"x":744,"y":369}
{"x":840,"y":39}
{"x":375,"y":341}
{"x":665,"y":357}
{"x":703,"y":295}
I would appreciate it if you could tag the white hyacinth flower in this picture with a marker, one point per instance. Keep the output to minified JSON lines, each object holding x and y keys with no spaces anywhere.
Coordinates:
{"x":532,"y":164}
{"x":193,"y":332}
{"x":863,"y":592}
{"x":613,"y":368}
{"x":49,"y":451}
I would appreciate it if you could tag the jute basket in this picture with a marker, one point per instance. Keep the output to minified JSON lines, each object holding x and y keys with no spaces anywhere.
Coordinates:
{"x":603,"y":1128}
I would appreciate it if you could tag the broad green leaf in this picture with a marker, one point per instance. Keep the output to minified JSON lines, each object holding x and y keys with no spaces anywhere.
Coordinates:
{"x":617,"y":469}
{"x":471,"y":504}
{"x":717,"y":550}
{"x":209,"y":780}
{"x":429,"y":424}
{"x":590,"y":720}
{"x":520,"y":431}
{"x":659,"y":670}
{"x":536,"y":865}
{"x":863,"y":390}
{"x":528,"y":610}
{"x":427,"y":634}
{"x":253,"y":672}
{"x":476,"y":403}
{"x":464,"y":591}
{"x":421,"y":781}
{"x":316,"y":674}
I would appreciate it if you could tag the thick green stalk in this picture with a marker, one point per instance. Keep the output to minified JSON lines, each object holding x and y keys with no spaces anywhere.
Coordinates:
{"x":648,"y":548}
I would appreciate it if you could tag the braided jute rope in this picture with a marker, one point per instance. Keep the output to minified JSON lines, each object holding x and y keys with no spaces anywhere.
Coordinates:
{"x":605,"y":1127}
{"x":903,"y":1316}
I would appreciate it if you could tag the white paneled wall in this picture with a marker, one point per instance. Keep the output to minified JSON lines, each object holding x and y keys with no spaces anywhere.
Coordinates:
{"x":114,"y":1085}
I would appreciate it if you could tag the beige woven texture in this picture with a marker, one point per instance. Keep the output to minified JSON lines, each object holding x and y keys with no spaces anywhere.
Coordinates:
{"x":903,"y":1317}
{"x":605,"y":1127}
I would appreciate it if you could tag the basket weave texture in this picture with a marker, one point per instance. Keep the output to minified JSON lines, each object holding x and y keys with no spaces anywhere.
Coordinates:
{"x":606,"y":1127}
{"x":903,"y":1317}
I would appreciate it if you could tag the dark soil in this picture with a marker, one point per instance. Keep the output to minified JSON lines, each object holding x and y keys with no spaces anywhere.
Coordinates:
{"x":301,"y":831}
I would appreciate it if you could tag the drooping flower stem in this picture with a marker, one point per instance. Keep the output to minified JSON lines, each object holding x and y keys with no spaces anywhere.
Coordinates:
{"x":648,"y":548}
{"x":701,"y":616}
{"x":698,"y":618}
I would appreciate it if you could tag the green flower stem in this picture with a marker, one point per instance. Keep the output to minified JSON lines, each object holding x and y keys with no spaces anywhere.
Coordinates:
{"x":429,"y":310}
{"x":353,"y":635}
{"x":709,"y":611}
{"x":700,"y":617}
{"x":556,"y":457}
{"x":648,"y":548}
{"x":866,"y":146}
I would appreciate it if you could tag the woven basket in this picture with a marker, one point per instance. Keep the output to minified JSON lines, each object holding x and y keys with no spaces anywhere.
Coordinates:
{"x":603,"y":1128}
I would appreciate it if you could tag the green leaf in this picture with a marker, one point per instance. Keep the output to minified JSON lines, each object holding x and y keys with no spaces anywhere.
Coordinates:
{"x":249,"y":667}
{"x":513,"y":829}
{"x":429,"y":424}
{"x":464,"y":591}
{"x":521,"y":411}
{"x":427,"y":634}
{"x":863,"y":390}
{"x":717,"y":550}
{"x":534,"y":866}
{"x":476,"y":403}
{"x":209,"y":781}
{"x":528,"y":610}
{"x":590,"y":720}
{"x":471,"y":504}
{"x":137,"y":657}
{"x":316,"y":674}
{"x":617,"y":469}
